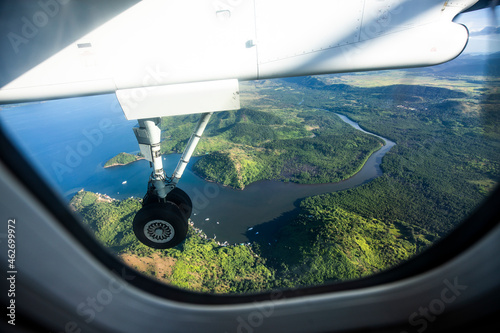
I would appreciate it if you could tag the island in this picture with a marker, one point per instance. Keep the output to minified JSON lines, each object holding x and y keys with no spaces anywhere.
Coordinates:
{"x":123,"y":159}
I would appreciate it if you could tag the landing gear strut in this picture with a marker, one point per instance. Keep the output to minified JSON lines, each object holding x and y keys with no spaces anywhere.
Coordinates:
{"x":162,"y":221}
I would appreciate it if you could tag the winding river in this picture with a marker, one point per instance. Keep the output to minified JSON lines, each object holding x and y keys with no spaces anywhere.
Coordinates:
{"x":264,"y":206}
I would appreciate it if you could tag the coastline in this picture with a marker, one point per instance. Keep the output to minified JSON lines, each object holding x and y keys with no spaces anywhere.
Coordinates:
{"x":120,"y":164}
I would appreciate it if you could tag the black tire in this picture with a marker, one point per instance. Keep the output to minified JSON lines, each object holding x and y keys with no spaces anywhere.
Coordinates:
{"x":160,"y":225}
{"x":177,"y":196}
{"x":182,"y":200}
{"x":149,"y":198}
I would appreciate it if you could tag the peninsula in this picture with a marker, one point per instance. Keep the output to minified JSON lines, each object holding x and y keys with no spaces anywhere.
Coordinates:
{"x":122,"y":159}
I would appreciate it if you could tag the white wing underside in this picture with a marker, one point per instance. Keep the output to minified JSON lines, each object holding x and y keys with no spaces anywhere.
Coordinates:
{"x":162,"y":43}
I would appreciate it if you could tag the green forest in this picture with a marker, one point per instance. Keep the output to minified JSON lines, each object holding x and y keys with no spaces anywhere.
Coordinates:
{"x":446,"y":158}
{"x":197,"y":264}
{"x":244,"y":146}
{"x":445,"y":162}
{"x":122,"y":159}
{"x":320,"y":246}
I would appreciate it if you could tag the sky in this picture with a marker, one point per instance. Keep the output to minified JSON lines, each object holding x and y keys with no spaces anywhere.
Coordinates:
{"x":476,"y":21}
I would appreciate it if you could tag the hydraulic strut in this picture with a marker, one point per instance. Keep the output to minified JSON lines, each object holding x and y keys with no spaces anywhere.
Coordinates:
{"x":148,"y":135}
{"x":191,"y":146}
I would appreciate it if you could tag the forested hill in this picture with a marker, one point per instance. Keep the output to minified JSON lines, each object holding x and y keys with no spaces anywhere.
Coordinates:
{"x":293,"y":144}
{"x":327,"y":243}
{"x":122,"y":159}
{"x":394,"y":91}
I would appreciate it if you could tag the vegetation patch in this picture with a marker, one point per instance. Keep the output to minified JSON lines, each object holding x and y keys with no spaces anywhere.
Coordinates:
{"x":249,"y":145}
{"x":321,"y":245}
{"x":122,"y":159}
{"x":327,"y":244}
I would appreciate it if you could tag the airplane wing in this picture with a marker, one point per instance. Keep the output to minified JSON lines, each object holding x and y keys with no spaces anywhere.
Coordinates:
{"x":155,"y":45}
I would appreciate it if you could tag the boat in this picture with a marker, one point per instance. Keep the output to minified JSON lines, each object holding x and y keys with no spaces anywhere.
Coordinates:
{"x":124,"y":182}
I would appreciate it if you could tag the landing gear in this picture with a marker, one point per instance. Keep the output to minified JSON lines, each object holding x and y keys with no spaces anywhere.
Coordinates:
{"x":160,"y":225}
{"x":177,"y":196}
{"x":163,"y":223}
{"x":163,"y":219}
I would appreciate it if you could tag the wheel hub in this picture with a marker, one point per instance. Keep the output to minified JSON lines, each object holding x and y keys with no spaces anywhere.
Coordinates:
{"x":159,"y":231}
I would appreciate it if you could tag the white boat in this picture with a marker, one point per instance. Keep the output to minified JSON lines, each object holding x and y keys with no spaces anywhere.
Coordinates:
{"x":124,"y":182}
{"x":250,"y":229}
{"x":207,"y":219}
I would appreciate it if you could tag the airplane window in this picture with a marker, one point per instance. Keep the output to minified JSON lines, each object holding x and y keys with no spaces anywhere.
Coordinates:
{"x":314,"y":180}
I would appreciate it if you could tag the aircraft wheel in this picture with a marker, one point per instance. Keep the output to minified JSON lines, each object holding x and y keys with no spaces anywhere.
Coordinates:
{"x":149,"y":198}
{"x":177,"y":196}
{"x":182,"y":200}
{"x":160,"y":225}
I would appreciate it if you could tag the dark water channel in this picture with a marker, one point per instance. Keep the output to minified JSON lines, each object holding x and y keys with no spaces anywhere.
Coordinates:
{"x":264,"y":206}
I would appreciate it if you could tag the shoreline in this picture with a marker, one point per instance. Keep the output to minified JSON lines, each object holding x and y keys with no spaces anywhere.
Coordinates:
{"x":119,"y":164}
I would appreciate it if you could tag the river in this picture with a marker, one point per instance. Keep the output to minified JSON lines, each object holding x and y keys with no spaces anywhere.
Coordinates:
{"x":69,"y":141}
